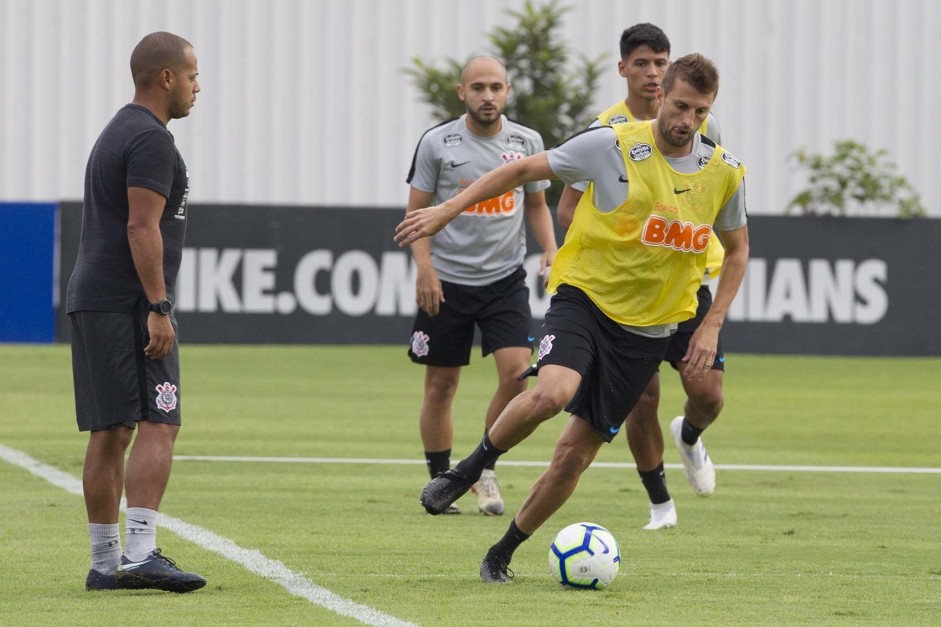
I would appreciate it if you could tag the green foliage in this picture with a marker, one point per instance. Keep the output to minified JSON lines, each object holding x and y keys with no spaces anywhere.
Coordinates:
{"x":853,"y":178}
{"x":548,"y":93}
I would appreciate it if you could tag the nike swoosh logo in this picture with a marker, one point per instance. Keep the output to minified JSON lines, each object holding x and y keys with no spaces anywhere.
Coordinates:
{"x":622,"y":179}
{"x":614,"y":430}
{"x":139,"y":522}
{"x":530,"y":338}
{"x":132,"y":565}
{"x":681,"y":191}
{"x":454,"y":164}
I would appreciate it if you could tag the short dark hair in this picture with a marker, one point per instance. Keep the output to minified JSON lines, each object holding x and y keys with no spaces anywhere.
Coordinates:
{"x":644,"y":34}
{"x":696,"y":70}
{"x":157,"y":52}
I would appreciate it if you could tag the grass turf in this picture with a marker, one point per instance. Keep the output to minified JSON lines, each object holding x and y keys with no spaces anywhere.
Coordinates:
{"x":771,"y":547}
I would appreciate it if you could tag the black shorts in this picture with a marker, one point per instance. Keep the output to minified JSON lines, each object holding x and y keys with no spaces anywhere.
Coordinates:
{"x":615,"y":365}
{"x":500,"y":309}
{"x":112,"y":375}
{"x":679,"y":343}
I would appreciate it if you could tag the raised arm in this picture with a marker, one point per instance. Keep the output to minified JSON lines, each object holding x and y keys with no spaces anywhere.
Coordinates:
{"x":428,"y":221}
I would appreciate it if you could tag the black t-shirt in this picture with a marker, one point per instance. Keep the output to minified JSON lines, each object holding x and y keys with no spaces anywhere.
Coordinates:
{"x":134,"y":150}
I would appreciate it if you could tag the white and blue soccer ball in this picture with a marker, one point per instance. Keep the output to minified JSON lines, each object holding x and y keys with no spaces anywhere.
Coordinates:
{"x":585,"y":556}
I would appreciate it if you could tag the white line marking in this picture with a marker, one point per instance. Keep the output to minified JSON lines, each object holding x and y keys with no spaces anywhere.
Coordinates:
{"x":270,"y":569}
{"x":360,"y":460}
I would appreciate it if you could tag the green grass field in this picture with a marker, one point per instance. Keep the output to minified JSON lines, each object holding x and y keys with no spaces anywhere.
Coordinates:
{"x":774,"y":546}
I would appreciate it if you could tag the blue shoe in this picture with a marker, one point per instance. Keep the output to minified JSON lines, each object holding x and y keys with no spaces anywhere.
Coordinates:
{"x":157,"y":572}
{"x":100,"y":581}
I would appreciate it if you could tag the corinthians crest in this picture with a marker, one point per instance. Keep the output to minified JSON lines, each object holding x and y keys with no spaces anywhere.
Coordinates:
{"x":166,"y":397}
{"x":420,"y":343}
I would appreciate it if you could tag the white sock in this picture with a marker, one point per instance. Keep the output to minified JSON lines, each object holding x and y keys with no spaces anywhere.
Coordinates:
{"x":140,"y":533}
{"x":105,"y":547}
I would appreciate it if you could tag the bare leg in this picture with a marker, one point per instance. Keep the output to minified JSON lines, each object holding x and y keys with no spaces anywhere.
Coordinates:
{"x":555,"y":387}
{"x":644,"y":435}
{"x":148,"y":466}
{"x":435,"y":422}
{"x":575,"y":450}
{"x":511,"y":362}
{"x":103,"y":474}
{"x":704,"y":399}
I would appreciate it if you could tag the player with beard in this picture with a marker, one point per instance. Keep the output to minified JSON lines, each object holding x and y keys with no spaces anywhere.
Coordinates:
{"x":645,"y":57}
{"x":471,"y":273}
{"x":625,"y":277}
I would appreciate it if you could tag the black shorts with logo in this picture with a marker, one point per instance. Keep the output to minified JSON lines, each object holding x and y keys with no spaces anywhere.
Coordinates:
{"x":615,"y":365}
{"x":112,"y":375}
{"x":679,"y":343}
{"x":500,"y":309}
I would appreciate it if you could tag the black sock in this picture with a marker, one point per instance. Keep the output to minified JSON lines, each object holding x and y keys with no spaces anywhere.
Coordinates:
{"x":474,"y":464}
{"x":508,"y":543}
{"x":492,"y":465}
{"x":655,"y":481}
{"x":690,"y":433}
{"x":438,"y":462}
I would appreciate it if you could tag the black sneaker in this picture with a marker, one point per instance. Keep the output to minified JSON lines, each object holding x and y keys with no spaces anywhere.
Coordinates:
{"x":443,"y":490}
{"x":100,"y":581}
{"x":157,"y":572}
{"x":495,"y":569}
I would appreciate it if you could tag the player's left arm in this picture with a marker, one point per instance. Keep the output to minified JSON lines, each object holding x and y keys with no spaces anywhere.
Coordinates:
{"x":428,"y":221}
{"x":539,"y":220}
{"x":704,"y":343}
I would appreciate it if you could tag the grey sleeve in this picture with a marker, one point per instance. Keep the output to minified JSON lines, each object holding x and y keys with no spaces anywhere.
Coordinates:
{"x":733,"y":214}
{"x":536,"y":147}
{"x":583,"y":185}
{"x":582,"y":156}
{"x":425,"y":169}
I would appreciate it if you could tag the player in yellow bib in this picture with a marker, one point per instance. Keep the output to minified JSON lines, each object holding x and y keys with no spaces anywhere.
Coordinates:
{"x":625,"y":277}
{"x":645,"y":54}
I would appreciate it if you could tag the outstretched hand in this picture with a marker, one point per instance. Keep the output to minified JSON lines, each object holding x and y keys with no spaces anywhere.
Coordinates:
{"x":420,"y":223}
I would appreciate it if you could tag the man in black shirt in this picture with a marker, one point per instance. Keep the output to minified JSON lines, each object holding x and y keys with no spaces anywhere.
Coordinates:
{"x":125,"y":358}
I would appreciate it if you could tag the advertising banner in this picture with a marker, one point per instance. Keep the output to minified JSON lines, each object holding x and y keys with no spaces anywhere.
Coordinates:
{"x":333,"y":275}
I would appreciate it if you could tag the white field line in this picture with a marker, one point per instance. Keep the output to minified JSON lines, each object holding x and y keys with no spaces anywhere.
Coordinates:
{"x":253,"y":560}
{"x":355,"y":460}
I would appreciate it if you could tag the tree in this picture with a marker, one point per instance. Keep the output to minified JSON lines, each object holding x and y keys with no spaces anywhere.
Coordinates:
{"x":547,"y":95}
{"x":853,"y":179}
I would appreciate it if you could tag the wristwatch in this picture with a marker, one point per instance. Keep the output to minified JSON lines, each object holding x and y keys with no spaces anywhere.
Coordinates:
{"x":163,"y":307}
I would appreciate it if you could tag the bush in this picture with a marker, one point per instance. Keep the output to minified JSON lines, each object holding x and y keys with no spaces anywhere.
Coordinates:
{"x":853,"y":180}
{"x":547,"y":94}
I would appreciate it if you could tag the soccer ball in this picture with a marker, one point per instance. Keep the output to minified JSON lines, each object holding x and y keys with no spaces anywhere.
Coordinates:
{"x":584,"y":555}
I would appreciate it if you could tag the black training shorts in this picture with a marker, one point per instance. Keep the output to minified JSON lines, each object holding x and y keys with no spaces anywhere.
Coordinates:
{"x":679,"y":343}
{"x":500,"y":309}
{"x":615,"y":364}
{"x":115,"y":383}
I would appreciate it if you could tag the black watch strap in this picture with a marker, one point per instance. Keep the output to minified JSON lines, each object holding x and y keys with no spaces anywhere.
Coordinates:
{"x":162,"y":307}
